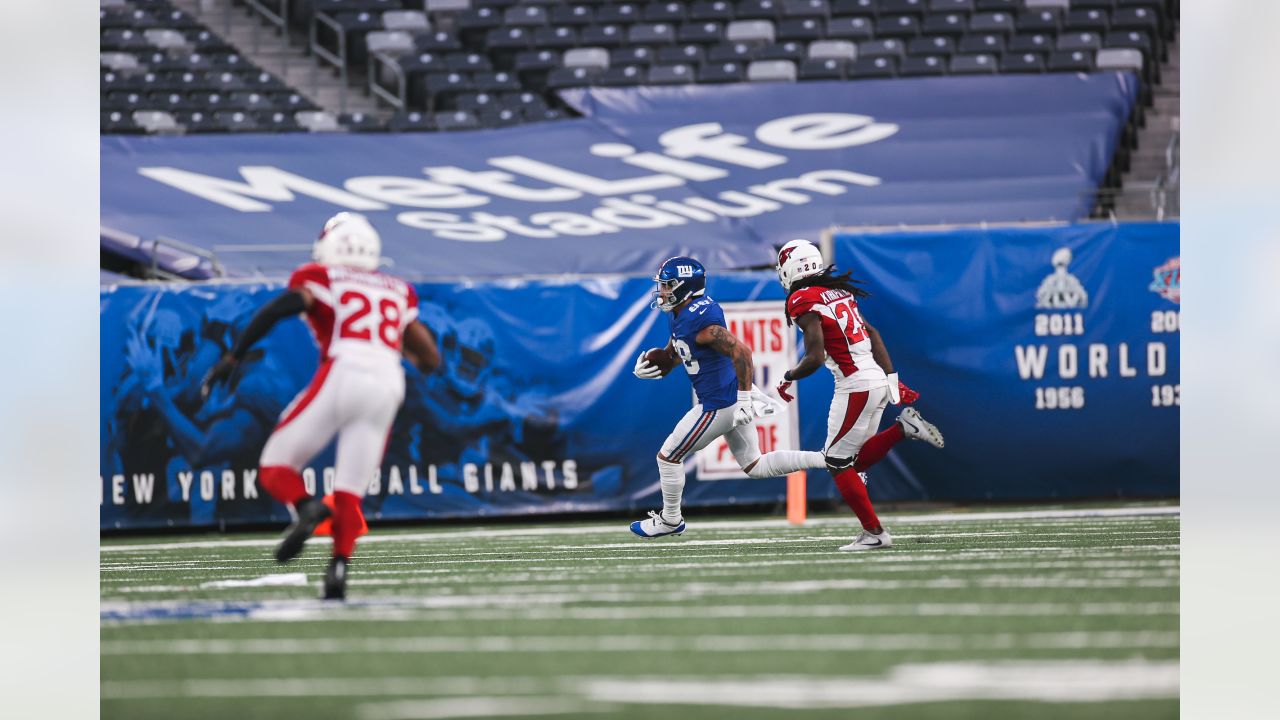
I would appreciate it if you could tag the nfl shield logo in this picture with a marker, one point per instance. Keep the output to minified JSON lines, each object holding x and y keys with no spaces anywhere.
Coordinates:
{"x":1167,"y":282}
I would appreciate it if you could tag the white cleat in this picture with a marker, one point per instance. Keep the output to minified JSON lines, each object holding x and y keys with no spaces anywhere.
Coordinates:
{"x":655,"y":526}
{"x":917,"y":428}
{"x":869,"y":541}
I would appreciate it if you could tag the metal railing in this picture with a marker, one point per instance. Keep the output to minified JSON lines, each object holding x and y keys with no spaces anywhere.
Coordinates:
{"x":338,"y":60}
{"x":198,"y":253}
{"x":382,"y":65}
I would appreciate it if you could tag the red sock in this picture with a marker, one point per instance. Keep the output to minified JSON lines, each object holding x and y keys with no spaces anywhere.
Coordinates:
{"x":347,"y":520}
{"x":874,"y":450}
{"x":284,"y":483}
{"x":855,"y":495}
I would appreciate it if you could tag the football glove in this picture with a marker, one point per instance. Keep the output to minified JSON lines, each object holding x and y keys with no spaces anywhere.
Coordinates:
{"x":899,"y":393}
{"x":743,"y":412}
{"x":894,"y":395}
{"x":784,"y":391}
{"x":907,"y":394}
{"x":646,"y":370}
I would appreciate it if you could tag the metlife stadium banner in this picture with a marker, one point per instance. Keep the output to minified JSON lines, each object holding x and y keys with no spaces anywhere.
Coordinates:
{"x":720,"y":172}
{"x":1047,"y":356}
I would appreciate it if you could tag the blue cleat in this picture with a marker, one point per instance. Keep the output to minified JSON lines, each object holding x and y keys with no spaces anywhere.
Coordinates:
{"x":655,"y":526}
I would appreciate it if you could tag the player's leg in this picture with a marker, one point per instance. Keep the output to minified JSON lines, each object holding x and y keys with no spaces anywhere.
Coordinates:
{"x":692,"y":428}
{"x":305,"y":427}
{"x":744,"y":443}
{"x":368,"y":405}
{"x":853,"y":417}
{"x":909,"y":424}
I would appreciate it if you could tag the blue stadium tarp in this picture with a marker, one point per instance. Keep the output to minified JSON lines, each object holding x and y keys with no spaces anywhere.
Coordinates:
{"x":720,"y":172}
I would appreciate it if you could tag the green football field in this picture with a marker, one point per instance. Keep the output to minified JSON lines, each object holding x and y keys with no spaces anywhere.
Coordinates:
{"x":1047,"y":613}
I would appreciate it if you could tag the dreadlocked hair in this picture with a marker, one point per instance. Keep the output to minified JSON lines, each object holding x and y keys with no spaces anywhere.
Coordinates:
{"x":829,"y":278}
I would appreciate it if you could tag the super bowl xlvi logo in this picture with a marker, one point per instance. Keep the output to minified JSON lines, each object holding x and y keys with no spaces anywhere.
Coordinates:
{"x":1061,"y":290}
{"x":684,"y":271}
{"x":1168,"y":280}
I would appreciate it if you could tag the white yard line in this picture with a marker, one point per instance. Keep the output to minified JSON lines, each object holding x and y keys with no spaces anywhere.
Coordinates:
{"x":1043,"y":680}
{"x":956,"y":517}
{"x":1063,"y":682}
{"x":633,"y":643}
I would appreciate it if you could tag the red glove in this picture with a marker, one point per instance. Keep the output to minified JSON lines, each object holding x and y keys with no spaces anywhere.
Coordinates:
{"x":907,"y":394}
{"x":783,"y":388}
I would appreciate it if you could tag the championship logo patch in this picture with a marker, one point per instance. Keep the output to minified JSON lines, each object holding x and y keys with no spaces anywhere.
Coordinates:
{"x":1168,"y":280}
{"x":1061,"y":290}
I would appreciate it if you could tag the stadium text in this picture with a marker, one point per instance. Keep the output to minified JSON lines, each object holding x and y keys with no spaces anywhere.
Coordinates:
{"x":626,"y":203}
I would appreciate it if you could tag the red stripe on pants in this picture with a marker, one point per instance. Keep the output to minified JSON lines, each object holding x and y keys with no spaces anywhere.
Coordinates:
{"x":312,"y":390}
{"x":857,"y":401}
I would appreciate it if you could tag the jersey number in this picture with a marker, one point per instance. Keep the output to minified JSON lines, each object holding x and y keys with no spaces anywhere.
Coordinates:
{"x":388,"y":328}
{"x":686,"y":356}
{"x":850,"y":321}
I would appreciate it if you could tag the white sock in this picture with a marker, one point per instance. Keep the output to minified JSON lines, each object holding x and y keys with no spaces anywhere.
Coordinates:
{"x":672,"y":477}
{"x":782,"y":462}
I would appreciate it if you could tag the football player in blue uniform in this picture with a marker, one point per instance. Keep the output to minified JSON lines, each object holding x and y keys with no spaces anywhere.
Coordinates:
{"x":720,"y":368}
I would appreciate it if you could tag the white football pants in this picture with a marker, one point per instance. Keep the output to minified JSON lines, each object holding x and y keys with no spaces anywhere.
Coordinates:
{"x":353,"y":398}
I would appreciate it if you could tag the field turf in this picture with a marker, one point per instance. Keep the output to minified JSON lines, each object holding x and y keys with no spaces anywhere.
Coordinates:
{"x":1048,"y":613}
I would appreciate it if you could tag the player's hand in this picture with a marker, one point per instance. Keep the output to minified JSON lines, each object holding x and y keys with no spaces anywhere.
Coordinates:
{"x":894,"y":396}
{"x":743,"y":413}
{"x":907,"y":394}
{"x":784,"y":391}
{"x":219,"y":373}
{"x":646,"y":370}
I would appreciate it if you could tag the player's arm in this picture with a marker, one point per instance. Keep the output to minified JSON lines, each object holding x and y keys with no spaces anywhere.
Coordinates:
{"x":814,"y":347}
{"x":718,"y":338}
{"x":287,"y":304}
{"x":879,"y":352}
{"x":420,"y":347}
{"x":898,"y":391}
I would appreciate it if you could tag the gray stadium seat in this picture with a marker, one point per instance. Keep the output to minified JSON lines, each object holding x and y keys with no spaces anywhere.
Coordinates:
{"x":1079,"y":41}
{"x":996,"y":22}
{"x":1042,"y":4}
{"x":838,"y":49}
{"x":118,"y":61}
{"x":411,"y":20}
{"x":435,"y":6}
{"x":750,"y":31}
{"x":317,"y":121}
{"x":165,"y":38}
{"x":392,"y":42}
{"x":1119,"y":59}
{"x":771,"y":71}
{"x":155,"y":121}
{"x":586,"y":57}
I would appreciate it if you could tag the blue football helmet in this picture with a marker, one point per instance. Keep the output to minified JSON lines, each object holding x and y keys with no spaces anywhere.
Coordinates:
{"x":683,"y":278}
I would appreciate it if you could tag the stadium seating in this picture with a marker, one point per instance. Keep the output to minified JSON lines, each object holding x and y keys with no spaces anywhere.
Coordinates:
{"x":424,"y":55}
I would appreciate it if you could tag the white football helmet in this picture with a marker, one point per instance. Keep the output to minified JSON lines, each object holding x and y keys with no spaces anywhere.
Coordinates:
{"x":350,"y":241}
{"x":798,"y":259}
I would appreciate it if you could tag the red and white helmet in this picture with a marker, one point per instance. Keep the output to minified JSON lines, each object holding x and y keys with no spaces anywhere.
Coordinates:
{"x":798,"y":259}
{"x":350,"y":241}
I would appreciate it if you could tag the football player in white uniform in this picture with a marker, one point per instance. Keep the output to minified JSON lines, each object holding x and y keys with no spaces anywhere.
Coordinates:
{"x":825,"y":306}
{"x":362,"y":320}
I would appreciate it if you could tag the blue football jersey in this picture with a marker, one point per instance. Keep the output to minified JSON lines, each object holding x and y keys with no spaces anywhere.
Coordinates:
{"x":714,"y":380}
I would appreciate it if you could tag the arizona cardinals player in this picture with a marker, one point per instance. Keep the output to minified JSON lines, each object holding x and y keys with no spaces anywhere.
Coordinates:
{"x":825,"y":306}
{"x":720,"y":369}
{"x":362,"y":320}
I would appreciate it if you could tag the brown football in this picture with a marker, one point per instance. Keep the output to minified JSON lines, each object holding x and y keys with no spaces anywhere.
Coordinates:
{"x":662,"y":358}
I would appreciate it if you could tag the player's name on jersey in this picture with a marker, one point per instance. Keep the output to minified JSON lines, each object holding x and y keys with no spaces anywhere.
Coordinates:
{"x":209,"y":485}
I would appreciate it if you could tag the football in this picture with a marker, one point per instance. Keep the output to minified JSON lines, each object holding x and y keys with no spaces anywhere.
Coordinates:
{"x":662,"y":358}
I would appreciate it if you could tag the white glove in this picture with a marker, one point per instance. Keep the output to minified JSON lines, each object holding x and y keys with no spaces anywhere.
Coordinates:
{"x":743,"y":412}
{"x":646,"y":370}
{"x":895,"y":397}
